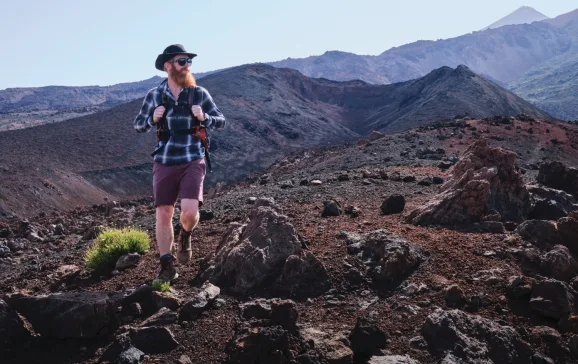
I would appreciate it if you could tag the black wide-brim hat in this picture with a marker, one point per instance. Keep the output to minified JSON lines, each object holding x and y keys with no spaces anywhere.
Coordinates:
{"x":169,"y":53}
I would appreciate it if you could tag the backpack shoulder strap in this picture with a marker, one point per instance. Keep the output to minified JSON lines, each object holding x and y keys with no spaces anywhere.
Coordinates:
{"x":194,"y":98}
{"x":165,"y":101}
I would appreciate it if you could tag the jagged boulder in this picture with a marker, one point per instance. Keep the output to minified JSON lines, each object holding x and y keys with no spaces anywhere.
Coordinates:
{"x":367,"y":338}
{"x":199,"y":302}
{"x":547,"y":210}
{"x":263,"y":344}
{"x":394,"y":204}
{"x":389,"y":258}
{"x":542,"y":233}
{"x":333,"y":347}
{"x":137,"y":342}
{"x":71,"y":314}
{"x":255,"y":254}
{"x":559,"y":264}
{"x":458,"y":337}
{"x":549,"y":202}
{"x":559,"y":176}
{"x":303,"y":277}
{"x":266,"y":333}
{"x":552,"y":298}
{"x":484,"y":179}
{"x":153,"y":340}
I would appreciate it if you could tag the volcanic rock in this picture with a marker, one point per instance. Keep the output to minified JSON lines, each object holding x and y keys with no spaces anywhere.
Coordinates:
{"x":519,"y":287}
{"x":303,"y":277}
{"x":390,"y":259}
{"x":394,"y":204}
{"x":199,"y":303}
{"x":483,"y":179}
{"x":559,"y":264}
{"x":331,"y":208}
{"x":557,"y":175}
{"x":547,"y":210}
{"x":564,"y":200}
{"x":127,"y":261}
{"x":552,"y":298}
{"x":251,"y":255}
{"x":164,"y":316}
{"x":458,"y":337}
{"x":266,"y":334}
{"x":70,"y":314}
{"x":153,"y":340}
{"x":366,"y":337}
{"x":332,"y":347}
{"x":541,"y":233}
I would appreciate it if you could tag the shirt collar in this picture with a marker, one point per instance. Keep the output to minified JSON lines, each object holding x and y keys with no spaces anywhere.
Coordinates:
{"x":164,"y":87}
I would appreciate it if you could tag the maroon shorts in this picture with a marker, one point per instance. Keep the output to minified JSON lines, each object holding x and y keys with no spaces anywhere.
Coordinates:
{"x":184,"y":180}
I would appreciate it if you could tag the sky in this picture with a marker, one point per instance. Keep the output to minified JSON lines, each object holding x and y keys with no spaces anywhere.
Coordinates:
{"x":104,"y":42}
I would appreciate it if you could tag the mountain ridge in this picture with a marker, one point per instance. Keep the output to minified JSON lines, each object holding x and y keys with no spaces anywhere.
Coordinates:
{"x":522,"y":15}
{"x":503,"y":55}
{"x":271,"y":111}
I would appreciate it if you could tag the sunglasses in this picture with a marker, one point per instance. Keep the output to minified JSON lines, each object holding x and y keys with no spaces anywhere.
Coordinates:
{"x":182,"y":61}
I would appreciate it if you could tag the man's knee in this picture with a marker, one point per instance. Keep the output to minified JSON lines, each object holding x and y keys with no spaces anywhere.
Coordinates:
{"x":165,"y":213}
{"x":189,"y":210}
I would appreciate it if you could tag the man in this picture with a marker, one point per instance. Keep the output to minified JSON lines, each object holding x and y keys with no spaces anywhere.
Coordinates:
{"x":177,"y":107}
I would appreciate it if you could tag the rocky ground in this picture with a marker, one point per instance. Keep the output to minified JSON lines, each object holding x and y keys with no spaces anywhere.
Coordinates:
{"x":429,"y":246}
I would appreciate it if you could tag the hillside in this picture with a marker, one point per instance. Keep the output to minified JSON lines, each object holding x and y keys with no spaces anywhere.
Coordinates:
{"x":328,"y":268}
{"x":552,"y":85}
{"x":271,"y":111}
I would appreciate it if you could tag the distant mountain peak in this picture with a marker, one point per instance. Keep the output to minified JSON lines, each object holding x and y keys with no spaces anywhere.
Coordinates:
{"x":523,"y":15}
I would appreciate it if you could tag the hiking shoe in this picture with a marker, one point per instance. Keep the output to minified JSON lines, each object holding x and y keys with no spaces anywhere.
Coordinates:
{"x":184,"y":249}
{"x":168,"y":271}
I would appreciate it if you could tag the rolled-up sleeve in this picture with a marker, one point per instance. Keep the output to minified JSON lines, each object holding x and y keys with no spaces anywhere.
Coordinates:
{"x":214,"y":118}
{"x":144,"y":119}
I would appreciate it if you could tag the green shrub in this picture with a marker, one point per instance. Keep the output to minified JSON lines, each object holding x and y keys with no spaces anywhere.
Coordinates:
{"x":110,"y":244}
{"x":162,"y":287}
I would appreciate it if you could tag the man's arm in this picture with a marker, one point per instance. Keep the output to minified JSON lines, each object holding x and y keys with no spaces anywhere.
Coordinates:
{"x":214,"y":119}
{"x":144,"y":119}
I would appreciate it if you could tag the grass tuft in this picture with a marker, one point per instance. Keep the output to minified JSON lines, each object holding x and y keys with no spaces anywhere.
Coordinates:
{"x":110,"y":244}
{"x":162,"y":287}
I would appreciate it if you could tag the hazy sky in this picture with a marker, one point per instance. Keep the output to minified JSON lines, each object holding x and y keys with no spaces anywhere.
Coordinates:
{"x":103,"y":42}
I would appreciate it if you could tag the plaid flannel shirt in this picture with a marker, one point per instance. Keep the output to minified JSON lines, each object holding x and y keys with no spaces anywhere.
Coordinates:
{"x":180,"y":148}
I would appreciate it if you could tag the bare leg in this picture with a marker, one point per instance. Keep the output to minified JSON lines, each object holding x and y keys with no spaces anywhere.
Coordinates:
{"x":164,"y":230}
{"x":189,"y":213}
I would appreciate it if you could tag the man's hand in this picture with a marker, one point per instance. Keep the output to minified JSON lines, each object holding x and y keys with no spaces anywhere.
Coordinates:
{"x":158,"y":114}
{"x":198,"y":112}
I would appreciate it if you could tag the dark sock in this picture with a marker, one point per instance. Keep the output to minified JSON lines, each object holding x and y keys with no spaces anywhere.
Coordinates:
{"x":168,"y":255}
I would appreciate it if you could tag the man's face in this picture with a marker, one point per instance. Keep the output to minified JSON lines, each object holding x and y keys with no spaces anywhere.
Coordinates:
{"x":181,"y":74}
{"x":177,"y":62}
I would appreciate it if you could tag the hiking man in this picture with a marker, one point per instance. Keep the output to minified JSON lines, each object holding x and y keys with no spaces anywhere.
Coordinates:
{"x":182,"y":112}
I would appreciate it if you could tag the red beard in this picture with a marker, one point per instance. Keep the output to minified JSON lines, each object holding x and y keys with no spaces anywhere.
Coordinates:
{"x":182,"y":78}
